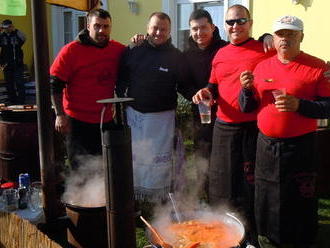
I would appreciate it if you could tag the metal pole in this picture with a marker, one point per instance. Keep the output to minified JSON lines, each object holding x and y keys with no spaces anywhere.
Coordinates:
{"x":117,"y":161}
{"x":120,"y":212}
{"x":45,"y":125}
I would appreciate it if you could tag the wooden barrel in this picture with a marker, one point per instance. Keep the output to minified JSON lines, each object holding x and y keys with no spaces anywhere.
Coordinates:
{"x":19,"y":151}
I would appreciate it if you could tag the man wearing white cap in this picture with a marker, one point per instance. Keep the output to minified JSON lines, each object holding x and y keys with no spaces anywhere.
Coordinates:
{"x":291,"y":92}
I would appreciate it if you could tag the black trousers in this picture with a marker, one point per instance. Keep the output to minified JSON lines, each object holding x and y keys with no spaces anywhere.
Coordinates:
{"x":84,"y":139}
{"x":231,"y":174}
{"x":285,"y":203}
{"x":15,"y":84}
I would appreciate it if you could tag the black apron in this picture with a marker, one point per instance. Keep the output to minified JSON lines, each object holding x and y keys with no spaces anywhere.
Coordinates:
{"x":285,"y":200}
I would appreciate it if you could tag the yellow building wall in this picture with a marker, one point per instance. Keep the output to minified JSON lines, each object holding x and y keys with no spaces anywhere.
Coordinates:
{"x":125,"y":24}
{"x":24,"y":23}
{"x":315,"y":15}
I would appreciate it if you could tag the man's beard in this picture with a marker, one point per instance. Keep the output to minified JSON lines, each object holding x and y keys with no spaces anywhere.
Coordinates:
{"x":101,"y":42}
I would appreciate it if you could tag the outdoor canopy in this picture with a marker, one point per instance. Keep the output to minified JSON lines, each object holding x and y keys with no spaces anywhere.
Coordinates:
{"x":84,"y":5}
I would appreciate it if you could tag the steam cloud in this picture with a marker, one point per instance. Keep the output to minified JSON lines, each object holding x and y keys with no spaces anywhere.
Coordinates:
{"x":85,"y":186}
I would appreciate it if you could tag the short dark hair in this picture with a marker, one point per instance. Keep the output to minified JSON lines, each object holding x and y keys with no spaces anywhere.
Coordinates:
{"x":200,"y":13}
{"x":160,"y":15}
{"x":101,"y":13}
{"x":241,"y":7}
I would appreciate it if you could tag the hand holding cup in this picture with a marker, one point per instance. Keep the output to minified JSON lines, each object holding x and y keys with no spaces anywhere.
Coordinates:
{"x":285,"y":102}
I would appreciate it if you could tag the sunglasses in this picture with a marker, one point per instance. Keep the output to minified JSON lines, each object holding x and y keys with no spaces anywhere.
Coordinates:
{"x":240,"y":21}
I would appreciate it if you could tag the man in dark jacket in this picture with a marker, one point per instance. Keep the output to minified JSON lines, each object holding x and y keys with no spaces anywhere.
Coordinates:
{"x":152,"y":73}
{"x":203,"y":44}
{"x":11,"y":61}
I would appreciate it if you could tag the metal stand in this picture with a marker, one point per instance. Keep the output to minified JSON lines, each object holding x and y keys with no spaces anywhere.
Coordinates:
{"x":117,"y":162}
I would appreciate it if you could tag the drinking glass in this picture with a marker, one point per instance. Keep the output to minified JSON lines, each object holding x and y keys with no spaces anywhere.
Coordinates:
{"x":35,"y":197}
{"x":10,"y":199}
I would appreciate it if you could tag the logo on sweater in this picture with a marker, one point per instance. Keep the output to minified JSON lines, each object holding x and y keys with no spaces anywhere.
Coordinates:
{"x":268,"y":80}
{"x":163,"y":69}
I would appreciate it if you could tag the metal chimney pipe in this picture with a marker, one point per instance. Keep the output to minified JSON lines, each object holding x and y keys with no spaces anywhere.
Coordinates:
{"x":117,"y":162}
{"x":45,"y":126}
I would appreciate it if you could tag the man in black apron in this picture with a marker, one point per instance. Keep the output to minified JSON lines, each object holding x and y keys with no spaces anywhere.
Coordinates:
{"x":292,"y":92}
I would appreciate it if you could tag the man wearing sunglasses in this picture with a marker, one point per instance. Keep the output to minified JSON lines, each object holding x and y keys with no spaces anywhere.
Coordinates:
{"x":231,"y":172}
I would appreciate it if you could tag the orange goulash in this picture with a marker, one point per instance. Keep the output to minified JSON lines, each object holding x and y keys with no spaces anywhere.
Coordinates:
{"x":198,"y":234}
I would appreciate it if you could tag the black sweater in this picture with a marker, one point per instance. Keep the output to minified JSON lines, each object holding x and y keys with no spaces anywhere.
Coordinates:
{"x":200,"y":61}
{"x":153,"y":75}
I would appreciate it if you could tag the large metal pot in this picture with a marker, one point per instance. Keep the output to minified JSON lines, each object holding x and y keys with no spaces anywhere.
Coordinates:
{"x":87,"y":227}
{"x":227,"y":218}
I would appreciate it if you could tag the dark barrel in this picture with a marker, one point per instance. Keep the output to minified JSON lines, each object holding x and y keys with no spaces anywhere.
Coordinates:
{"x":19,"y":152}
{"x":87,"y":227}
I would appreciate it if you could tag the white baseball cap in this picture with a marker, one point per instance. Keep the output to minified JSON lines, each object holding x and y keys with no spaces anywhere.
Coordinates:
{"x":288,"y":22}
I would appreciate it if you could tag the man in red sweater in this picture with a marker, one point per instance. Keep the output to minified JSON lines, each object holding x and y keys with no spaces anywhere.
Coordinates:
{"x":285,"y":203}
{"x":83,"y":72}
{"x":231,"y":172}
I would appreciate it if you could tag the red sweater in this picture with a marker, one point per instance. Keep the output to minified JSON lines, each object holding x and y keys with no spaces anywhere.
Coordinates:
{"x":302,"y":78}
{"x":227,"y":65}
{"x":91,"y":73}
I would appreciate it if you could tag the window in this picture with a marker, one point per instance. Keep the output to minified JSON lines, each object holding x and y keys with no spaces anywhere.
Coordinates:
{"x":73,"y":23}
{"x":68,"y":35}
{"x":216,"y":10}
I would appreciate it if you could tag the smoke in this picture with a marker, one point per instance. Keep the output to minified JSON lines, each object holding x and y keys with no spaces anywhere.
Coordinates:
{"x":195,"y":188}
{"x":85,"y":186}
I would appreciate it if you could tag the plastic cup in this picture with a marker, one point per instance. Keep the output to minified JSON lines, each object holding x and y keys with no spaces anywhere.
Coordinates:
{"x":204,"y":112}
{"x":278,"y":92}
